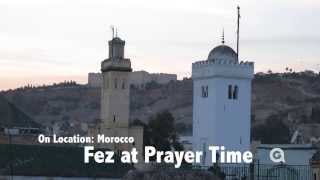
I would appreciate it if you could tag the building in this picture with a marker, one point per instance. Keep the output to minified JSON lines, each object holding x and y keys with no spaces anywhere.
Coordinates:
{"x":296,"y":165}
{"x":186,"y":142}
{"x":115,"y":99}
{"x":221,"y":102}
{"x":136,"y":78}
{"x":294,"y":154}
{"x":141,"y":78}
{"x":94,"y":80}
{"x":22,"y":131}
{"x":315,"y":164}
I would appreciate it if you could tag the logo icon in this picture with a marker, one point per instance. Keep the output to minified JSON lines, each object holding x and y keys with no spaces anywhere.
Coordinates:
{"x":277,"y":155}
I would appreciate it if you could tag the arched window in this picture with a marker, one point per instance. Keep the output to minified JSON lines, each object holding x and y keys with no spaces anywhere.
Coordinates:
{"x":204,"y":91}
{"x":114,"y":118}
{"x":207,"y":91}
{"x":115,"y":83}
{"x":235,"y":92}
{"x":230,"y":92}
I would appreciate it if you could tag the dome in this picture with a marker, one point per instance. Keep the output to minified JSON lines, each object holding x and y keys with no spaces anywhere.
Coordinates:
{"x":117,"y":40}
{"x":223,"y":52}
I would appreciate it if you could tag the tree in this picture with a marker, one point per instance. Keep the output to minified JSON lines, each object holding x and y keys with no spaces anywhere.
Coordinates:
{"x":274,"y":131}
{"x":160,"y":132}
{"x":315,"y":115}
{"x":163,"y":133}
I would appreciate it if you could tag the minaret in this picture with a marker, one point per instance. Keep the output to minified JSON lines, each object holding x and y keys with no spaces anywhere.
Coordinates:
{"x":222,"y":101}
{"x":115,"y":89}
{"x":115,"y":100}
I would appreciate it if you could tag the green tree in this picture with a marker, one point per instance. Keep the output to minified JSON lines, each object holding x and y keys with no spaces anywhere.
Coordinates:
{"x":160,"y":132}
{"x":273,"y":131}
{"x":163,"y":132}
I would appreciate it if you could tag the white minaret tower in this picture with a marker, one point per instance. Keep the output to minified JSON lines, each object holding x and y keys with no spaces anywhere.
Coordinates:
{"x":221,"y":102}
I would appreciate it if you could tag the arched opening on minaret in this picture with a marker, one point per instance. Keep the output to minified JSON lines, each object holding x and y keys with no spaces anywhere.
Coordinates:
{"x":230,"y":92}
{"x":123,"y":84}
{"x":235,"y":92}
{"x":115,"y":83}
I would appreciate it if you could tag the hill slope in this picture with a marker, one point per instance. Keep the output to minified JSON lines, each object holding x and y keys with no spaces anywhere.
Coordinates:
{"x":292,"y":98}
{"x":11,"y":116}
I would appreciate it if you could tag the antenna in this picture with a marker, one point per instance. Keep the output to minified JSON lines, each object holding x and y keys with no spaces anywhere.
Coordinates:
{"x":112,"y":29}
{"x":222,"y":36}
{"x":116,"y":32}
{"x":238,"y":30}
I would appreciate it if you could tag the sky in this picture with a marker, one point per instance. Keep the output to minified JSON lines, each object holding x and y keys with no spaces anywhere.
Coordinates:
{"x":47,"y":41}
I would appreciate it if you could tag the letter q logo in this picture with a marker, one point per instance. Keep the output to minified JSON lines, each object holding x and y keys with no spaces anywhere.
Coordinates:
{"x":277,"y":155}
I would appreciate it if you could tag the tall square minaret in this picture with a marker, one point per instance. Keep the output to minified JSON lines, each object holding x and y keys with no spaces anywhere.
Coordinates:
{"x":221,"y":102}
{"x":115,"y":99}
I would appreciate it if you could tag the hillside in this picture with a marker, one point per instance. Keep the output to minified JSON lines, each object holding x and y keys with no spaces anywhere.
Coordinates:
{"x":293,"y":99}
{"x":11,"y":116}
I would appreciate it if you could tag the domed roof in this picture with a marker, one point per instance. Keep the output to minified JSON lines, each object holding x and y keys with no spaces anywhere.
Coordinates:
{"x":116,"y":40}
{"x":223,"y":52}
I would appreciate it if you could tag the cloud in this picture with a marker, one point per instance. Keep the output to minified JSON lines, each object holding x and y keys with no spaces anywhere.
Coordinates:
{"x":69,"y":38}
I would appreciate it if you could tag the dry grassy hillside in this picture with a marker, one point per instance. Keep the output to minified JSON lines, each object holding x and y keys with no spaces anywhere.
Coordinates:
{"x":293,"y":99}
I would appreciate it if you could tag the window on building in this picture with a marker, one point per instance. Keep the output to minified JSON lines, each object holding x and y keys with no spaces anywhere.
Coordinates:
{"x":230,"y":92}
{"x":116,"y":83}
{"x":123,"y":84}
{"x":114,"y":118}
{"x":204,"y":91}
{"x":235,"y":92}
{"x":207,"y":91}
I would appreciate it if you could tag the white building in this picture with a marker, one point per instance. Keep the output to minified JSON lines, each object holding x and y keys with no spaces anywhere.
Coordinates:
{"x":221,"y":102}
{"x":186,"y":142}
{"x":296,"y":165}
{"x":294,"y":154}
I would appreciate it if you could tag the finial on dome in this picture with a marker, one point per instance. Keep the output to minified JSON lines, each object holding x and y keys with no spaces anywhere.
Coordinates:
{"x":222,"y":36}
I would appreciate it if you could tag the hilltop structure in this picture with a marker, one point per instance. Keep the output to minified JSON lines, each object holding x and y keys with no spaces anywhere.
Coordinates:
{"x":115,"y":99}
{"x":221,"y":102}
{"x":137,"y":78}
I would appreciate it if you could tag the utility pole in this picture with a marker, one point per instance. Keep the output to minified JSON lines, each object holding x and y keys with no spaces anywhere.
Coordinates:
{"x":238,"y":31}
{"x":11,"y":155}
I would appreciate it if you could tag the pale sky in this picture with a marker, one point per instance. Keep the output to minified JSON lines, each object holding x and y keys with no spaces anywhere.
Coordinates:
{"x":46,"y":41}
